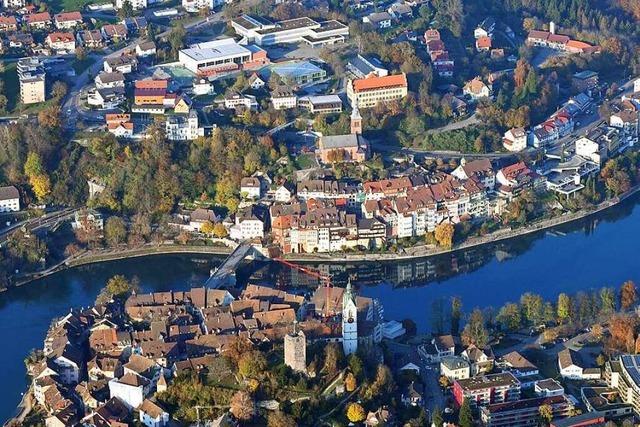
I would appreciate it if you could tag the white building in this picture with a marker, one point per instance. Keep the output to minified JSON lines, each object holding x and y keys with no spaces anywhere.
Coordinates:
{"x":283,"y":194}
{"x":151,"y":415}
{"x":636,"y":86}
{"x":515,"y":139}
{"x":455,"y":368}
{"x":131,"y":389}
{"x":202,"y":87}
{"x":146,"y":49}
{"x":379,"y":20}
{"x":283,"y":98}
{"x":9,"y":199}
{"x":14,"y":4}
{"x":548,"y":387}
{"x":589,"y":150}
{"x":109,"y":80}
{"x":249,"y":225}
{"x":183,"y":127}
{"x":135,"y":4}
{"x":299,"y":30}
{"x":349,"y":321}
{"x":236,"y":99}
{"x":571,"y":367}
{"x":224,"y":55}
{"x":250,"y":187}
{"x":193,"y":6}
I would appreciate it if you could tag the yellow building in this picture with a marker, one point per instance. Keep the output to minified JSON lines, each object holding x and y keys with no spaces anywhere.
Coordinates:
{"x":368,"y":92}
{"x":32,"y":81}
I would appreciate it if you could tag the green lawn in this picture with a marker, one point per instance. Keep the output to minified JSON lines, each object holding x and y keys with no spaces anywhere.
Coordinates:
{"x":11,"y":85}
{"x":69,"y":5}
{"x":306,"y":161}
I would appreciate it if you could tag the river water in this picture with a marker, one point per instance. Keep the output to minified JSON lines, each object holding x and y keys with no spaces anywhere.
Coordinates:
{"x":599,"y":251}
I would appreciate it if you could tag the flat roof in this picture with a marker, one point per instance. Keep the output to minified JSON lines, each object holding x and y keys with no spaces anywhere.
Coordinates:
{"x":290,"y":24}
{"x":215,"y":49}
{"x":293,"y":69}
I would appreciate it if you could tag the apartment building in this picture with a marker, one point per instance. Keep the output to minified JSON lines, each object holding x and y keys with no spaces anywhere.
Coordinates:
{"x":489,"y":389}
{"x":183,"y":127}
{"x":623,"y":375}
{"x":368,"y":92}
{"x":61,"y":42}
{"x":32,"y":77}
{"x":525,"y":412}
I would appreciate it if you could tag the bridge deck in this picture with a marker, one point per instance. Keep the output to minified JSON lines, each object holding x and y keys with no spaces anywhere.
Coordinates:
{"x":227,"y":270}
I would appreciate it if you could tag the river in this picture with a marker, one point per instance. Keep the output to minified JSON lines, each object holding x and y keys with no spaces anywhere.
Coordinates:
{"x":587,"y":254}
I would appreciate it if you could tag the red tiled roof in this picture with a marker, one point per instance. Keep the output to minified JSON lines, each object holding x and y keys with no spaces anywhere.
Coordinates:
{"x":68,"y":16}
{"x":373,"y":83}
{"x":60,"y":37}
{"x":38,"y":17}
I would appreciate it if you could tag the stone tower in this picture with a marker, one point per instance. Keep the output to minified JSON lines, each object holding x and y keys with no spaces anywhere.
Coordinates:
{"x":295,"y":351}
{"x":356,"y":121}
{"x":349,"y":321}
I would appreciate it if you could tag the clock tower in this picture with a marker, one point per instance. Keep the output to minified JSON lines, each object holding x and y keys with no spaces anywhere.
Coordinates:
{"x":349,"y":321}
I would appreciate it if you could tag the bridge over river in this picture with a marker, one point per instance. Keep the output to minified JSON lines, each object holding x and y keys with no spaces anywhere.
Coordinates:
{"x":225,"y":274}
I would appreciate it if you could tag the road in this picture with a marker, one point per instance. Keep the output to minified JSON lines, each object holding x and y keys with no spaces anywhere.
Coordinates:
{"x":469,"y":121}
{"x":34,"y":224}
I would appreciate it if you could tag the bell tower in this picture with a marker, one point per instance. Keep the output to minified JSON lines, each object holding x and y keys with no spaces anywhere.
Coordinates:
{"x":356,"y":121}
{"x":349,"y":321}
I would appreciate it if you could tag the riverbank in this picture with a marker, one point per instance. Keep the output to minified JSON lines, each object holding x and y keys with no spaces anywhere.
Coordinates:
{"x":414,"y":252}
{"x":425,"y":251}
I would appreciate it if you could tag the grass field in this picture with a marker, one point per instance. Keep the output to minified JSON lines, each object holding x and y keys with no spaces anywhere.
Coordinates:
{"x":69,"y":5}
{"x":306,"y":161}
{"x":11,"y":85}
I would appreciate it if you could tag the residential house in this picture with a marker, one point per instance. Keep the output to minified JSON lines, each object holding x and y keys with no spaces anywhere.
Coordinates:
{"x":481,"y":360}
{"x":477,"y":89}
{"x":400,"y":11}
{"x":485,"y":29}
{"x":131,"y":389}
{"x":284,"y":193}
{"x":183,"y":127}
{"x":8,"y":24}
{"x":146,"y":49}
{"x":109,"y":80}
{"x":90,"y":39}
{"x":233,"y":100}
{"x":152,"y":415}
{"x":483,"y":44}
{"x":67,"y":20}
{"x":107,"y":98}
{"x":455,"y":368}
{"x":440,"y":347}
{"x":250,"y":224}
{"x":480,"y":170}
{"x":38,"y":21}
{"x":514,"y":179}
{"x":572,"y":366}
{"x":114,"y":32}
{"x":61,"y":42}
{"x":255,"y":82}
{"x":379,"y":20}
{"x":515,"y":139}
{"x":251,"y":187}
{"x":9,"y":199}
{"x":124,"y":64}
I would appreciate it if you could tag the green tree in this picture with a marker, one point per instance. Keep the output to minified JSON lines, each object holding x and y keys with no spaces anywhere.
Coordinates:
{"x":177,"y":38}
{"x":117,"y":287}
{"x":509,"y":317}
{"x":436,"y":417}
{"x":252,"y":364}
{"x":465,"y":417}
{"x":126,"y":11}
{"x":607,"y":301}
{"x":532,"y":307}
{"x":564,"y":307}
{"x":456,"y":315}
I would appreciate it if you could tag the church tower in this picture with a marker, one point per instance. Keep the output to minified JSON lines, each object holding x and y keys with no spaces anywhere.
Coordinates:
{"x":356,"y":121}
{"x":349,"y":321}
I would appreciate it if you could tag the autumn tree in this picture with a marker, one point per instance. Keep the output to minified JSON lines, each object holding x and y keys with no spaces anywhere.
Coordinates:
{"x":243,"y":406}
{"x":49,"y":117}
{"x":628,"y":295}
{"x":280,"y":419}
{"x":355,"y":412}
{"x":115,"y":231}
{"x":252,"y":364}
{"x":220,"y":231}
{"x":444,"y":234}
{"x":621,"y":329}
{"x":117,"y":287}
{"x":350,"y":382}
{"x":59,"y":90}
{"x":546,"y":413}
{"x":475,"y":331}
{"x":332,"y":358}
{"x":456,"y":315}
{"x":38,"y":178}
{"x":532,"y":307}
{"x":207,"y":227}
